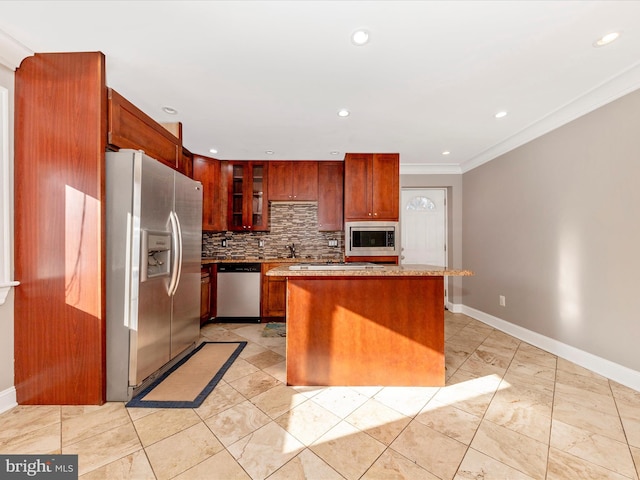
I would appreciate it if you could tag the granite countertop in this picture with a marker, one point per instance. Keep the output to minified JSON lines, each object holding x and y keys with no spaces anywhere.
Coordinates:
{"x":210,"y":260}
{"x":387,"y":271}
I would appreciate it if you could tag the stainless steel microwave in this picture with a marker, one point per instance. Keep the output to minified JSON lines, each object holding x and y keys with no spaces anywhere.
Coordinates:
{"x":371,"y":239}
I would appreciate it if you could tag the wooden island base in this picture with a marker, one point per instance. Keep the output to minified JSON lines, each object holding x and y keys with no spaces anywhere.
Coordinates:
{"x":364,"y":330}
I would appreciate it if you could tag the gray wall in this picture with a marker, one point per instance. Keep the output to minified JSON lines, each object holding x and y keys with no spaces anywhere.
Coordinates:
{"x":453,"y":184}
{"x":555,"y":227}
{"x":6,"y":310}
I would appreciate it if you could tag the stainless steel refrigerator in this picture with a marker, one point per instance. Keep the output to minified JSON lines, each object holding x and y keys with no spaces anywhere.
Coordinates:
{"x":154,"y":248}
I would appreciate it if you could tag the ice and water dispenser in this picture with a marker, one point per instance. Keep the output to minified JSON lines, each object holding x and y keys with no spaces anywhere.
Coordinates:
{"x":156,"y":247}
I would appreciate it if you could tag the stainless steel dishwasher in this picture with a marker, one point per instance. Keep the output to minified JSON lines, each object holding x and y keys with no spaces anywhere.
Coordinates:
{"x":238,"y":292}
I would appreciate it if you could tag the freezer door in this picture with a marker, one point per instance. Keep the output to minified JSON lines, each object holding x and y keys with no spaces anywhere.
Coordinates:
{"x":150,"y":341}
{"x":185,"y":322}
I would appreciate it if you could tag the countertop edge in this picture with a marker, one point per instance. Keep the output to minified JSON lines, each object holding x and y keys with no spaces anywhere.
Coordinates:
{"x":387,"y":271}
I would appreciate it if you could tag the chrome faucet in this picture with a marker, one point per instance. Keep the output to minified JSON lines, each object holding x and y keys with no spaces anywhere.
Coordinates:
{"x":292,"y":249}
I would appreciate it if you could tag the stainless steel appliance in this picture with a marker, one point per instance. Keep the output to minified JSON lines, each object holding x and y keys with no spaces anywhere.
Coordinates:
{"x":238,"y":292}
{"x":370,"y":239}
{"x":154,"y":245}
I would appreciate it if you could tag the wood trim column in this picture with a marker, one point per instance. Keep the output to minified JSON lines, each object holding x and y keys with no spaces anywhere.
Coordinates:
{"x":60,"y":142}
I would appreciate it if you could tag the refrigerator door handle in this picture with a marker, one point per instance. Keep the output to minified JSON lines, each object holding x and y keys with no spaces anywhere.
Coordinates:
{"x":176,"y":269}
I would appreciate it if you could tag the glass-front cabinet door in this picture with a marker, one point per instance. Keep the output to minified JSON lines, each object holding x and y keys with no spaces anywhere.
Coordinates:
{"x":248,"y":208}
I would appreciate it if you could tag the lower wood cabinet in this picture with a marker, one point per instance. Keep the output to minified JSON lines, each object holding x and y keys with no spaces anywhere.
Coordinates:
{"x":273,"y":302}
{"x":205,"y":295}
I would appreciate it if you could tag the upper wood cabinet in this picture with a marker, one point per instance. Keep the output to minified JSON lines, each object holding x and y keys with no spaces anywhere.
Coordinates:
{"x":330,"y":196}
{"x":186,"y":163}
{"x":247,"y":208}
{"x":371,"y":186}
{"x":130,"y":127}
{"x":208,"y":172}
{"x":293,"y":180}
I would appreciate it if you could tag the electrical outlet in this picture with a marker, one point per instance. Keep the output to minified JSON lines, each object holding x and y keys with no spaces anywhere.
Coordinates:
{"x":502,"y":301}
{"x":260,"y":243}
{"x":333,"y":243}
{"x":223,"y":243}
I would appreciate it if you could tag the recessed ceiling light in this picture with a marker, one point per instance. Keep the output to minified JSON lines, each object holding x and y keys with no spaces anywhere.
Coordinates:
{"x":359,"y":37}
{"x":335,"y":152}
{"x":446,"y":152}
{"x":343,"y":112}
{"x":269,"y":152}
{"x":606,"y":39}
{"x":501,"y":114}
{"x":213,"y":150}
{"x":170,"y":110}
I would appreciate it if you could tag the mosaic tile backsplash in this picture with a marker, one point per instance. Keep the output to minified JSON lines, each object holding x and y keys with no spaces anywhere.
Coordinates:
{"x":290,"y":223}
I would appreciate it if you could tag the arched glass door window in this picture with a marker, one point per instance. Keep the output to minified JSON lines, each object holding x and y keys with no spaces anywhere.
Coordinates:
{"x":420,"y":203}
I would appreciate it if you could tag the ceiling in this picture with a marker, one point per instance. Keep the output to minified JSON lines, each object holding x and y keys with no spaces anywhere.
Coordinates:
{"x":247,"y":77}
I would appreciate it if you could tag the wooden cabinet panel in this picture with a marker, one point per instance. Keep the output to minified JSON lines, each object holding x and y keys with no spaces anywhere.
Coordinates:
{"x":371,"y":186}
{"x":385,"y":186}
{"x":130,"y":127}
{"x":330,"y":196}
{"x":273,"y":299}
{"x":293,"y":180}
{"x":208,"y":171}
{"x":186,"y":163}
{"x":60,"y":143}
{"x":205,"y":295}
{"x":364,"y":330}
{"x":247,"y":193}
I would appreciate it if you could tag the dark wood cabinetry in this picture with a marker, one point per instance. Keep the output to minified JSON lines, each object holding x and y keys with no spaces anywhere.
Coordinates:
{"x":371,"y":186}
{"x":247,"y":208}
{"x":273,"y":299}
{"x":293,"y":180}
{"x":208,"y":171}
{"x":330,"y":196}
{"x":205,"y":294}
{"x":130,"y":127}
{"x":60,"y":143}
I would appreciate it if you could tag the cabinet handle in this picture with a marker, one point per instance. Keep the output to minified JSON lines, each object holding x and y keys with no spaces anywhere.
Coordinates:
{"x":369,"y":213}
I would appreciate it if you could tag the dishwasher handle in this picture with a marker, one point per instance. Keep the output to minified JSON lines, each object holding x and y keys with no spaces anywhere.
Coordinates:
{"x":239,"y":268}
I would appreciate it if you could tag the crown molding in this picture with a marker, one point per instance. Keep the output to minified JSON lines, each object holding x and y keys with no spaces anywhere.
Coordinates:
{"x":430,"y":169}
{"x":12,"y":52}
{"x":608,"y":91}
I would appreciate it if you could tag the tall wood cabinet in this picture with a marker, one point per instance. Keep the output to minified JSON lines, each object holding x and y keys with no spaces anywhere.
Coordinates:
{"x":208,"y":171}
{"x":60,"y":143}
{"x":371,"y":186}
{"x":248,"y":207}
{"x":330,"y":196}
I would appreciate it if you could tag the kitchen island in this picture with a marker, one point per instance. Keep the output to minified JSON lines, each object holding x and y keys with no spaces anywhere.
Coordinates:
{"x":375,"y":325}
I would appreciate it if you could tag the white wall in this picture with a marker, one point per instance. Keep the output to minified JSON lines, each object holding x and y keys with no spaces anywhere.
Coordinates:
{"x":554,"y":227}
{"x":7,"y":390}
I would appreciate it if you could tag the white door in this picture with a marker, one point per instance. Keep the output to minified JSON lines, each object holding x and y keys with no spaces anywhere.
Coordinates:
{"x":423,"y":220}
{"x":423,"y":223}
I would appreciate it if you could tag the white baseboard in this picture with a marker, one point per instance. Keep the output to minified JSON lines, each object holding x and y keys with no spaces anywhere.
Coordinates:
{"x":8,"y":399}
{"x":455,"y":307}
{"x":601,"y":366}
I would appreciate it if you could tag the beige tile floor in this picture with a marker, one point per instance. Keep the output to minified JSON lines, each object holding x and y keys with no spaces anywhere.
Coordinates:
{"x":509,"y":411}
